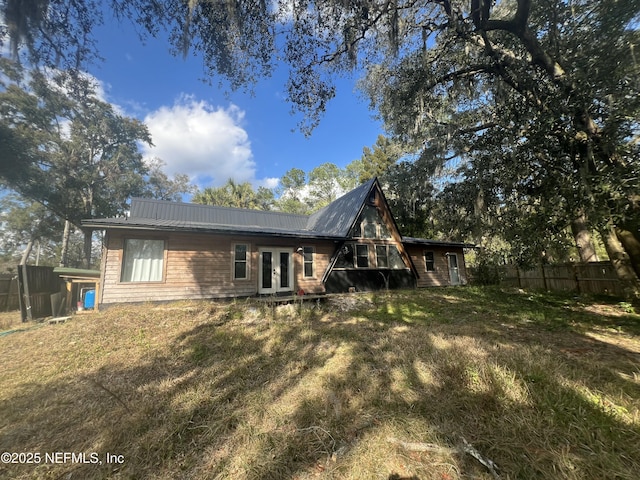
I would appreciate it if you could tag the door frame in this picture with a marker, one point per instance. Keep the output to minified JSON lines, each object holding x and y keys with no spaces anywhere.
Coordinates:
{"x":276,"y":270}
{"x":454,"y":271}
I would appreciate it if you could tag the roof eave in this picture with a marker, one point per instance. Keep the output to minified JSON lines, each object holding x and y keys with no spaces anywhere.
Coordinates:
{"x":222,"y":231}
{"x":436,"y":243}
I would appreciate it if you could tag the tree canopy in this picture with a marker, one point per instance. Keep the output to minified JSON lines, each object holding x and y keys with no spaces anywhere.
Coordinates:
{"x":536,"y":102}
{"x":236,"y":195}
{"x":72,"y":152}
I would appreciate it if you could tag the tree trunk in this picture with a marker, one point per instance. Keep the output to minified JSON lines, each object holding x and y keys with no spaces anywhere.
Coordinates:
{"x":64,"y":253}
{"x":26,"y":253}
{"x":631,"y":244}
{"x":621,"y":264}
{"x":88,"y":237}
{"x":38,"y":253}
{"x":479,"y":210}
{"x":88,"y":233}
{"x":582,"y":236}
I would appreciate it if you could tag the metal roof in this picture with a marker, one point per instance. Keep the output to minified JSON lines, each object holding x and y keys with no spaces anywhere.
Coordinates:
{"x":338,"y":217}
{"x":199,"y":215}
{"x":332,"y":222}
{"x":132,"y":223}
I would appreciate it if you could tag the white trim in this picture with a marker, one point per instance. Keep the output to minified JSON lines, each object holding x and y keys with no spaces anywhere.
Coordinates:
{"x":454,"y":271}
{"x":276,"y":270}
{"x":142,"y":265}
{"x":312,"y":262}
{"x":247,"y":259}
{"x":433,"y":260}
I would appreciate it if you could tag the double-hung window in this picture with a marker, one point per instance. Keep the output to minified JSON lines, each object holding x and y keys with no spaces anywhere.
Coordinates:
{"x":362,"y":256}
{"x":307,"y":254}
{"x":240,"y":261}
{"x":143,"y":260}
{"x":429,"y":262}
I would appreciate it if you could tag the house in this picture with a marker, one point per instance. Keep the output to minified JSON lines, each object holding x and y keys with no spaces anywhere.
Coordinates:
{"x":170,"y":251}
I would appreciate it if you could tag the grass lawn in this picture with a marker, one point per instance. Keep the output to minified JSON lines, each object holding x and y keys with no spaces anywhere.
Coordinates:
{"x":364,"y":386}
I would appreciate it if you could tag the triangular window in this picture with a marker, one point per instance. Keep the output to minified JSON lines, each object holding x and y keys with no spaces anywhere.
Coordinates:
{"x":370,"y":224}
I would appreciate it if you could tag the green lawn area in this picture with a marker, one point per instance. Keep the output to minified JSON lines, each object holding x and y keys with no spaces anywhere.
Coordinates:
{"x":362,"y":386}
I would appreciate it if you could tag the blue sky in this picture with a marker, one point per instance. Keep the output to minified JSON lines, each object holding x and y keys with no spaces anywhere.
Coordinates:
{"x":213,"y":135}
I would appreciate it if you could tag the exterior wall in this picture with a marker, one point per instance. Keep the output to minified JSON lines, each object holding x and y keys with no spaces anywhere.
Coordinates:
{"x":440,"y":276}
{"x":321,"y":257}
{"x":198,"y":266}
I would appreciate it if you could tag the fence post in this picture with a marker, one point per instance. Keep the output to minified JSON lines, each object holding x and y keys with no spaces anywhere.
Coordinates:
{"x":574,"y":267}
{"x":14,"y":292}
{"x":544,"y":278}
{"x":518,"y":275}
{"x":27,"y":315}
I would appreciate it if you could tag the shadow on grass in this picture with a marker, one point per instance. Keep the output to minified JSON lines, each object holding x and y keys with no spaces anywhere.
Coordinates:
{"x":319,"y":396}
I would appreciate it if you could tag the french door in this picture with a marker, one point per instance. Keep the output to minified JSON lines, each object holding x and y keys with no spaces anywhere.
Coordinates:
{"x":275,"y":274}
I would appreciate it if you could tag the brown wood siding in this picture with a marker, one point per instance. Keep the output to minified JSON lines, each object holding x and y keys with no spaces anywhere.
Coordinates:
{"x":321,"y":257}
{"x":383,"y":208}
{"x":201,"y":266}
{"x":439,"y":277}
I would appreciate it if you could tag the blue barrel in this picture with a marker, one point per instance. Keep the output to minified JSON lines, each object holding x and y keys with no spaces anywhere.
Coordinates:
{"x":89,"y":299}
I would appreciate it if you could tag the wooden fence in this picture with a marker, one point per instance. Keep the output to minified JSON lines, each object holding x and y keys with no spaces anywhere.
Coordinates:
{"x":9,"y":298}
{"x":590,"y":278}
{"x":37,"y":285}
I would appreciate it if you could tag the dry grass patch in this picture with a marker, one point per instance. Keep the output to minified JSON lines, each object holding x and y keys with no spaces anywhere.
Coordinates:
{"x":544,"y":386}
{"x":11,"y":321}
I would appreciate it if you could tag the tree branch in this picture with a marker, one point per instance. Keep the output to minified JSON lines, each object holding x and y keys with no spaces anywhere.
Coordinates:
{"x":522,"y":14}
{"x":463,"y":72}
{"x":518,"y":26}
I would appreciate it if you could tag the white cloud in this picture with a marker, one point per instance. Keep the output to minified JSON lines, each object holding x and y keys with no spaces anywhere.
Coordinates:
{"x":268,"y":182}
{"x":283,"y":10}
{"x":205,"y":142}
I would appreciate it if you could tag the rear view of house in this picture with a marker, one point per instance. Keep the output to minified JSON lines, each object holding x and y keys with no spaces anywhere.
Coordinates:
{"x":172,"y":251}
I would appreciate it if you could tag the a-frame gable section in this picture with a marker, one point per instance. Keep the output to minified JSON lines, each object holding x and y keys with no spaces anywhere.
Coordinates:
{"x":375,"y":197}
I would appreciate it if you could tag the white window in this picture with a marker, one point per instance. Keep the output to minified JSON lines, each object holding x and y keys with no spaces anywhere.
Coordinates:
{"x":307,"y":253}
{"x":240,"y":261}
{"x":143,"y":260}
{"x":370,"y":230}
{"x":429,"y":261}
{"x":370,"y":224}
{"x":362,"y":256}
